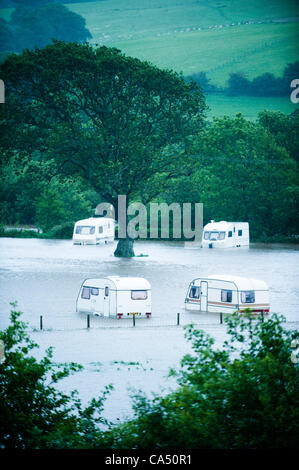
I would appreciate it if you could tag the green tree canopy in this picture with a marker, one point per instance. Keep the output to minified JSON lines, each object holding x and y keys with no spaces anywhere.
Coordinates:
{"x":112,"y":119}
{"x":242,"y":173}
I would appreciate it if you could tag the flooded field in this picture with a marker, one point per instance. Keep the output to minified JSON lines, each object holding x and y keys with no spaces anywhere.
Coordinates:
{"x":44,"y":277}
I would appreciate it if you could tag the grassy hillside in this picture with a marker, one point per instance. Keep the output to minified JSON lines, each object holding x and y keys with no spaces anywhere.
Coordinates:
{"x":218,"y":37}
{"x":119,"y":18}
{"x":253,"y":49}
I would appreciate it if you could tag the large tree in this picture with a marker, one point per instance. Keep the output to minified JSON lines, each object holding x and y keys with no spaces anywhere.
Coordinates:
{"x":124,"y":125}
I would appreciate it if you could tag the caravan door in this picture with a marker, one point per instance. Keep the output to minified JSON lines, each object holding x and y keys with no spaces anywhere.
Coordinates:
{"x":204,"y":296}
{"x":106,"y":301}
{"x":96,"y":300}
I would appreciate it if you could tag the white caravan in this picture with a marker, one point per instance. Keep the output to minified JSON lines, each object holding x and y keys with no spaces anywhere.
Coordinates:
{"x":225,"y":234}
{"x":94,"y":231}
{"x":115,"y":296}
{"x":227,"y":294}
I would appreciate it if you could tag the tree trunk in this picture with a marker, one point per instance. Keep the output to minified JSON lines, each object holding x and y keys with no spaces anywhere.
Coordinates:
{"x":124,"y":248}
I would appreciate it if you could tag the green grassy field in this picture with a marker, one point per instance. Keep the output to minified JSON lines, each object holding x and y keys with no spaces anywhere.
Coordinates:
{"x":210,"y":36}
{"x":189,"y":37}
{"x":252,"y":49}
{"x":116,"y":18}
{"x":249,"y":106}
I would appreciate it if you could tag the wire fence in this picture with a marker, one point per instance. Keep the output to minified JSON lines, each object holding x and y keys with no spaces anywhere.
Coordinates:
{"x":89,"y":321}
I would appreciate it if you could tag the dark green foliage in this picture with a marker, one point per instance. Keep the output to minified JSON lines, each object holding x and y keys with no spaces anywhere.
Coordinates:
{"x":35,"y":26}
{"x":241,"y":173}
{"x":238,"y":84}
{"x":32,"y":193}
{"x":121,"y":125}
{"x":283,"y":128}
{"x":203,"y":81}
{"x":34,"y":414}
{"x":263,"y":85}
{"x":244,"y":395}
{"x":64,"y":231}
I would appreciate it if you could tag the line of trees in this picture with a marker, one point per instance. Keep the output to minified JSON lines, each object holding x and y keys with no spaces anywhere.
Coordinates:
{"x":244,"y":395}
{"x":262,"y":85}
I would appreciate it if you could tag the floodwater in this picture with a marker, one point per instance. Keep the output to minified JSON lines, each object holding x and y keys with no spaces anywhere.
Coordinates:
{"x":44,"y":277}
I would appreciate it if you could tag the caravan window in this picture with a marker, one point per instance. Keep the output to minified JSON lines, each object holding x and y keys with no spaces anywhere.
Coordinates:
{"x":106,"y":291}
{"x":138,"y":294}
{"x":94,"y":291}
{"x":85,"y":294}
{"x":85,"y":229}
{"x":214,"y":235}
{"x":247,"y":297}
{"x":226,"y":295}
{"x":230,"y":234}
{"x":240,"y":232}
{"x":194,"y":292}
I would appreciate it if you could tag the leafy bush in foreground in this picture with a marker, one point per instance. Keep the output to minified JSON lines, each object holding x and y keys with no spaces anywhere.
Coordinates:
{"x":244,"y":395}
{"x":34,"y":414}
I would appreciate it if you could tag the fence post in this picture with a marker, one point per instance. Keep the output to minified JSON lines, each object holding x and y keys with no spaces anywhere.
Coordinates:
{"x":178,"y":319}
{"x":41,"y":322}
{"x":134,"y":319}
{"x":88,"y":320}
{"x":221,"y":318}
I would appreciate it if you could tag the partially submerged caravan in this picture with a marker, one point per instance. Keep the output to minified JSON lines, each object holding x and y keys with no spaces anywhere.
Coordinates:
{"x":94,"y":231}
{"x":225,"y":234}
{"x":115,"y":297}
{"x":227,"y":294}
